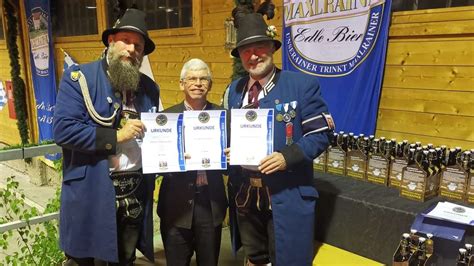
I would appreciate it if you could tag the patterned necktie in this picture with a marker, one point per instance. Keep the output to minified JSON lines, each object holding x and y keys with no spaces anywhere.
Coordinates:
{"x":254,"y":91}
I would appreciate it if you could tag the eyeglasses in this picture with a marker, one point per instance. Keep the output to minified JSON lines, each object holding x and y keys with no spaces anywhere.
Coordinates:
{"x":194,"y":80}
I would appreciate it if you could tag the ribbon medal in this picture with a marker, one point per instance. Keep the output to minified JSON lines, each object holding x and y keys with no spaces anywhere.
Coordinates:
{"x":292,"y":112}
{"x":289,"y":133}
{"x":286,"y":115}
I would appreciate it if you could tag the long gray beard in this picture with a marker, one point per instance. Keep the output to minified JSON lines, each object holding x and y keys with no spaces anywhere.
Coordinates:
{"x":124,"y":76}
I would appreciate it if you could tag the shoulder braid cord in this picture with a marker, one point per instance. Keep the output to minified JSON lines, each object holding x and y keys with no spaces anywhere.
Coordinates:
{"x":104,"y":121}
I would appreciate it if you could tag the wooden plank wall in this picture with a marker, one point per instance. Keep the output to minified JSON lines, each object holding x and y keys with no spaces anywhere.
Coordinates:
{"x":8,"y":128}
{"x":428,"y":87}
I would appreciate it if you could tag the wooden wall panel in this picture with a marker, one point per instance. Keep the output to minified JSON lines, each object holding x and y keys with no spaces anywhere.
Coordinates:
{"x":423,"y":51}
{"x":9,"y":131}
{"x":428,"y":86}
{"x":449,"y":78}
{"x":428,"y":101}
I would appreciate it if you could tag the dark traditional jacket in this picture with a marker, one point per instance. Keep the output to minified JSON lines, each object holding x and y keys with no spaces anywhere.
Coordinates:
{"x":177,"y":191}
{"x":88,"y":212}
{"x":292,"y":192}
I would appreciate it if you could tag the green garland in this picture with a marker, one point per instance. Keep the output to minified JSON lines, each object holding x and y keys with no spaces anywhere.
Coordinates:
{"x":19,"y":89}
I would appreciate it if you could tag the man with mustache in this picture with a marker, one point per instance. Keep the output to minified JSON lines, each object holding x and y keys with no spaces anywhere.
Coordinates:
{"x":192,"y":205}
{"x":273,"y":205}
{"x":106,"y":201}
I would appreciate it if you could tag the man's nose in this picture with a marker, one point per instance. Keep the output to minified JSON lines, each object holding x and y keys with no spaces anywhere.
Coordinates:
{"x":131,"y":48}
{"x":253,"y":56}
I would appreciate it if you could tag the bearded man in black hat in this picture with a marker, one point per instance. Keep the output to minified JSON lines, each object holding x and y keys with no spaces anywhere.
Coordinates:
{"x":106,"y":201}
{"x":273,"y":205}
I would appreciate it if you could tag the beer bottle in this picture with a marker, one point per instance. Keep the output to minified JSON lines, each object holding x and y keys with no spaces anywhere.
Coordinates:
{"x":420,"y":254}
{"x":366,"y":146}
{"x":435,"y":166}
{"x":468,"y":250}
{"x":441,"y":155}
{"x":340,"y":139}
{"x":345,"y":142}
{"x":465,"y":156}
{"x":429,"y":245}
{"x":399,"y":150}
{"x":411,"y":156}
{"x":375,"y":147}
{"x":403,"y":253}
{"x":451,"y":157}
{"x":350,"y":141}
{"x":333,"y":141}
{"x":425,"y":164}
{"x":371,"y":138}
{"x":462,"y":259}
{"x":413,"y":240}
{"x":355,"y":143}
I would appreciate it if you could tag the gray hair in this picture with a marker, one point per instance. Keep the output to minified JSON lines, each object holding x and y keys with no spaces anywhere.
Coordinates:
{"x":195,"y":64}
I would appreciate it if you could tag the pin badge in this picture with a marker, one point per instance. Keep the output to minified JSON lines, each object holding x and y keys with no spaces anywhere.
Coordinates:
{"x":116,"y":105}
{"x":109,"y":100}
{"x":278,"y":107}
{"x":286,"y":117}
{"x":292,"y":113}
{"x":279,"y":117}
{"x":75,"y":75}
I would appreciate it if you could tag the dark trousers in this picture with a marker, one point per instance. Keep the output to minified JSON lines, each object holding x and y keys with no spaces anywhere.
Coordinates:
{"x":203,"y":238}
{"x":255,"y":220}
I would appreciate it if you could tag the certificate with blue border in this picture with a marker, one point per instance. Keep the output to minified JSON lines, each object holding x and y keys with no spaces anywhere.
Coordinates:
{"x":162,"y":147}
{"x":251,"y":136}
{"x":205,"y":138}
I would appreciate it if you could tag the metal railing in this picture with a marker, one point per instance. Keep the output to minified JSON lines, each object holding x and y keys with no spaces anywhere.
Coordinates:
{"x":24,"y":153}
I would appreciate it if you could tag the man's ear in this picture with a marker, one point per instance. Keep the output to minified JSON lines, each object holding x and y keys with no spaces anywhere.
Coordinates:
{"x":181,"y":85}
{"x":210,"y":85}
{"x":110,"y":38}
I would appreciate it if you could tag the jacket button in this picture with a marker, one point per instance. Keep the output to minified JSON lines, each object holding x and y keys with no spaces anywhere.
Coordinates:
{"x":190,"y":201}
{"x":108,"y":146}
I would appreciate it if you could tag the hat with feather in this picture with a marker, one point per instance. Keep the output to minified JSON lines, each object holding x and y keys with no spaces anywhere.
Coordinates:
{"x":251,"y":28}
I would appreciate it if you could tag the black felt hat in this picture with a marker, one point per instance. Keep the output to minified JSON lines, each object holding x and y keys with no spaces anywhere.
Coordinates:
{"x":251,"y":28}
{"x":132,"y":20}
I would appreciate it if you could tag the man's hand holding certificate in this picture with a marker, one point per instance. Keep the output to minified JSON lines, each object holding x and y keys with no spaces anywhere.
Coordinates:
{"x":251,"y":137}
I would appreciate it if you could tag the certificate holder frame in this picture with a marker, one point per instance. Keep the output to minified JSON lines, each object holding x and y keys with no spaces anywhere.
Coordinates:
{"x":203,"y":147}
{"x":162,"y":147}
{"x":259,"y":122}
